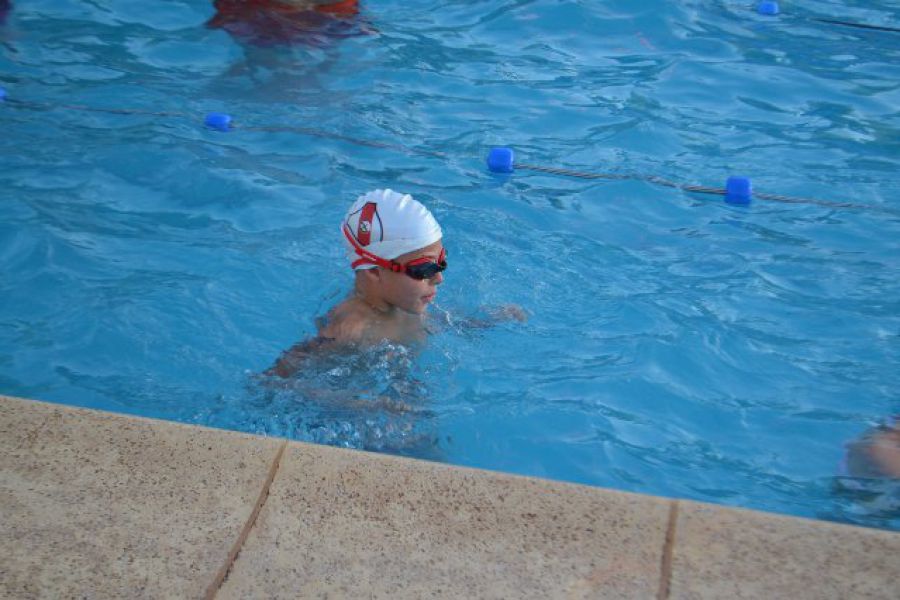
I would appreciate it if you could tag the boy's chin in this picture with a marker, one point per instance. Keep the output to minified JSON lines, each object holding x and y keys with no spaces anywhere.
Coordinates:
{"x":418,"y":309}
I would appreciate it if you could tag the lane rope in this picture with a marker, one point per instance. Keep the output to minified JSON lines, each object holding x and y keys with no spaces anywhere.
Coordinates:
{"x":771,"y":8}
{"x":738,"y":189}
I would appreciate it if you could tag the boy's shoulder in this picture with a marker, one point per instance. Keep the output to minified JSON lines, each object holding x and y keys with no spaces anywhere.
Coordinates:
{"x":347,"y":322}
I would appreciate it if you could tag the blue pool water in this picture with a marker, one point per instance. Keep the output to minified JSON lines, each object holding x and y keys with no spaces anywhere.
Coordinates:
{"x":675,"y":345}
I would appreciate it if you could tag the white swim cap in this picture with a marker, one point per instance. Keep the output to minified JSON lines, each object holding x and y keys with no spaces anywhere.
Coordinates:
{"x":386,"y":224}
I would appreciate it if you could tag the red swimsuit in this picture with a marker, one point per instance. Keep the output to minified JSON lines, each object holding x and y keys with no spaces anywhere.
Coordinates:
{"x":268,"y":22}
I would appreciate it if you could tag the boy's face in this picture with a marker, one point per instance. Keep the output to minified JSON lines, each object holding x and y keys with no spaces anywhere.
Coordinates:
{"x":409,"y":294}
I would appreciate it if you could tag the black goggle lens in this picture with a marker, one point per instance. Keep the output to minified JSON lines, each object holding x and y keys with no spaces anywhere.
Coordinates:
{"x":426,"y":270}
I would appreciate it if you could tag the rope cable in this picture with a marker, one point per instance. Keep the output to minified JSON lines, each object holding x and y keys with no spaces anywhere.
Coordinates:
{"x":227,"y":125}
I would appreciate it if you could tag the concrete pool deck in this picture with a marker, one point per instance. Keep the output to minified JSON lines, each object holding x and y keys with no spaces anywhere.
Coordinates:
{"x":101,"y":505}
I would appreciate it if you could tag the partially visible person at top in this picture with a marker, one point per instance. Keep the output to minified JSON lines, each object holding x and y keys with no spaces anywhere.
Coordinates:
{"x":5,"y":7}
{"x":274,"y":22}
{"x":395,"y":247}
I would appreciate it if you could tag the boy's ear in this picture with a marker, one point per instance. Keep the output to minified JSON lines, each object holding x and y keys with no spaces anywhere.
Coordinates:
{"x":372,"y":275}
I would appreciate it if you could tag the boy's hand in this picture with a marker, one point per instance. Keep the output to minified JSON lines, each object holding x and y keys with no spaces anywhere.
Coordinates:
{"x":509,"y":312}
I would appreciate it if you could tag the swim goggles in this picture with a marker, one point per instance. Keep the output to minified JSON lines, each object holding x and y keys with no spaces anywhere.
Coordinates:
{"x":418,"y":268}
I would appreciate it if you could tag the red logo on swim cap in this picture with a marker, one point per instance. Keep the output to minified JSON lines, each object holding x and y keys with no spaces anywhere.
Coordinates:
{"x":364,"y":229}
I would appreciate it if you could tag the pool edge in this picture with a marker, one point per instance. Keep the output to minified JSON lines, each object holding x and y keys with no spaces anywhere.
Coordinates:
{"x":242,"y":515}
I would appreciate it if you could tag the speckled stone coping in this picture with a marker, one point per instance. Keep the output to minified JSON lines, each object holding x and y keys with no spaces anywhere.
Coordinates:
{"x":99,"y":505}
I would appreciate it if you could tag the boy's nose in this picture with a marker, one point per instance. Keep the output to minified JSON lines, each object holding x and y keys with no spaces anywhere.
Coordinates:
{"x":438,"y":279}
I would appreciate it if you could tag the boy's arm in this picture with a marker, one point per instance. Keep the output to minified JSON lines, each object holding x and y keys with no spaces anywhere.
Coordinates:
{"x":342,"y":332}
{"x":290,"y":360}
{"x":494,"y":316}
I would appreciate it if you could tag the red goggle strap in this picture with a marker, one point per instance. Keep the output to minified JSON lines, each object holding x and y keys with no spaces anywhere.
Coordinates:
{"x":367,"y":257}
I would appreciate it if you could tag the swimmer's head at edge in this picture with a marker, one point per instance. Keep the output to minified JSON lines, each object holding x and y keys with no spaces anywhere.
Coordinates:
{"x":876,"y":454}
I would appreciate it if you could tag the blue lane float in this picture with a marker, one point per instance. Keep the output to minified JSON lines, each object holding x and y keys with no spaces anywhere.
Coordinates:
{"x":218,"y":121}
{"x":738,"y":190}
{"x":768,"y":8}
{"x":501,"y":160}
{"x":2,"y":94}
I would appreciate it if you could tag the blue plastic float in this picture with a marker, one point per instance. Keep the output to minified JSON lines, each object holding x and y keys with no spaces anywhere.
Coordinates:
{"x":218,"y":121}
{"x":768,"y":8}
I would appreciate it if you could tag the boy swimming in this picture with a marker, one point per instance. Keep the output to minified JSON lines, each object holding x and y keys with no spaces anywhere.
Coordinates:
{"x":394,"y":245}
